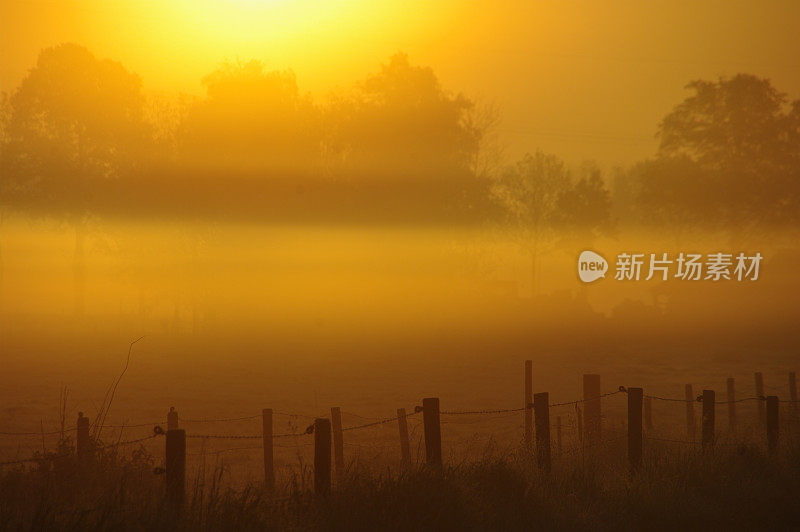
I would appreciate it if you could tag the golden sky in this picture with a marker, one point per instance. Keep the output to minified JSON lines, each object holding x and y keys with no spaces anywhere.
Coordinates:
{"x":584,"y":80}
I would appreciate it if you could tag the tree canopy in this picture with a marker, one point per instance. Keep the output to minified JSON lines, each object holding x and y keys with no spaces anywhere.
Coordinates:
{"x":77,"y":135}
{"x":401,"y":122}
{"x":251,"y":118}
{"x":74,"y":120}
{"x":730,"y":153}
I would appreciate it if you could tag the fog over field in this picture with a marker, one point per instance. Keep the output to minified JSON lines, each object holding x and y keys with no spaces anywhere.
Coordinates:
{"x":337,"y":210}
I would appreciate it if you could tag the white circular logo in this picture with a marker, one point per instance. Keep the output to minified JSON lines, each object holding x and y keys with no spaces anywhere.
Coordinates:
{"x":591,"y":266}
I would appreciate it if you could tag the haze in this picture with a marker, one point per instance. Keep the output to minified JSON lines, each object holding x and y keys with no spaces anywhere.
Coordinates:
{"x":302,"y":204}
{"x":585,"y":80}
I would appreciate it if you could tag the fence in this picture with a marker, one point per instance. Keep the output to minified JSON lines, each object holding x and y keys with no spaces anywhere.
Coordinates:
{"x":329,"y":433}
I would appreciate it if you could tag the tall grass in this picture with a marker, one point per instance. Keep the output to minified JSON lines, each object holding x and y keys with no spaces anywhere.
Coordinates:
{"x":735,"y":488}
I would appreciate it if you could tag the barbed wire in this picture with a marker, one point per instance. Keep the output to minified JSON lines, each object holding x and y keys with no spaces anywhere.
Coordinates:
{"x":762,"y":398}
{"x":151,"y":423}
{"x":37,"y":433}
{"x":73,"y":429}
{"x":699,"y":399}
{"x":248,"y":418}
{"x":229,"y":449}
{"x":360,"y":416}
{"x":309,"y":430}
{"x":242,"y":436}
{"x":220,"y":420}
{"x":381,"y":421}
{"x":377,"y":421}
{"x":157,"y":431}
{"x":476,"y":421}
{"x":128,"y":442}
{"x":133,"y":425}
{"x":585,"y":400}
{"x":479,"y":412}
{"x":521,"y":409}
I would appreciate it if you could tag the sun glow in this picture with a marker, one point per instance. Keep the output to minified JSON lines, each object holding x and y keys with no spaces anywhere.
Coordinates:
{"x":325,"y":42}
{"x":556,"y":68}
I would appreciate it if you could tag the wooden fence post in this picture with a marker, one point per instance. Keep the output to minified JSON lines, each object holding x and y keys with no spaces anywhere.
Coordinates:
{"x":172,"y":419}
{"x":708,"y":419}
{"x":591,"y":408}
{"x":558,"y":434}
{"x":731,"y":385}
{"x":405,"y":447}
{"x":635,"y":396}
{"x":793,"y":392}
{"x":338,"y":444}
{"x":176,"y":468}
{"x":266,"y":435}
{"x":433,"y":431}
{"x":772,"y":424}
{"x":762,"y":413}
{"x":541,"y":410}
{"x":528,"y":399}
{"x":648,"y":414}
{"x":82,"y":441}
{"x":322,"y":456}
{"x":690,"y":425}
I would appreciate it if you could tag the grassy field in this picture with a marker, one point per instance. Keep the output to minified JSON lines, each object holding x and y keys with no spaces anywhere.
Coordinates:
{"x":737,"y":487}
{"x":299,"y":389}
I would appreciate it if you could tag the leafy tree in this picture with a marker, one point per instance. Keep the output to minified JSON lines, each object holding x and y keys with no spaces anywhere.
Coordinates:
{"x":400,"y":122}
{"x":735,"y":143}
{"x":529,"y":192}
{"x":674,"y":194}
{"x":74,"y":122}
{"x":544,"y":204}
{"x":732,"y":122}
{"x":583,"y":212}
{"x":253,"y":119}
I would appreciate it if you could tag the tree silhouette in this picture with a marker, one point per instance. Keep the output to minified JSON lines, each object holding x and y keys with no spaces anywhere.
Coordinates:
{"x":401,"y":122}
{"x":530,"y":191}
{"x":675,"y":195}
{"x":744,"y":138}
{"x":79,"y":137}
{"x":252,"y":119}
{"x":74,"y":122}
{"x":544,"y":205}
{"x":583,"y":212}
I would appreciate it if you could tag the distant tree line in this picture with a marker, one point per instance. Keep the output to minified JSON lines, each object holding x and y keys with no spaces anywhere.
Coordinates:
{"x":79,"y":137}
